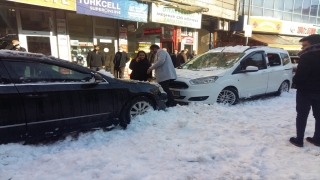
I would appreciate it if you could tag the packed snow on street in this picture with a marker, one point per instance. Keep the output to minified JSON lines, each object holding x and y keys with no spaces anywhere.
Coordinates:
{"x":200,"y":142}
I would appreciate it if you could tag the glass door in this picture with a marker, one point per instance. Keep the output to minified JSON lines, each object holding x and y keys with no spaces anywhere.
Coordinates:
{"x":36,"y":31}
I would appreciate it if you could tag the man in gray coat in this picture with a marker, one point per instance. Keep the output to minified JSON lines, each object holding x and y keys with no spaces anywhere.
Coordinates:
{"x":164,"y":71}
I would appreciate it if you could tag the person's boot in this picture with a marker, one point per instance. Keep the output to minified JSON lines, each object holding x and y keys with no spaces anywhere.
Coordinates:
{"x":315,"y":141}
{"x":296,"y":141}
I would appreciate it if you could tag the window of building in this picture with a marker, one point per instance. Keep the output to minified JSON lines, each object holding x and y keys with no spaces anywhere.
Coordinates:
{"x":268,"y":13}
{"x":278,"y":14}
{"x":288,"y":5}
{"x":8,"y":26}
{"x":35,"y":20}
{"x":306,"y":7}
{"x":255,"y":11}
{"x":287,"y":16}
{"x":279,"y":5}
{"x":297,"y":6}
{"x":269,"y":4}
{"x":81,"y":36}
{"x":258,"y":3}
{"x":305,"y":19}
{"x":313,"y":20}
{"x":296,"y":18}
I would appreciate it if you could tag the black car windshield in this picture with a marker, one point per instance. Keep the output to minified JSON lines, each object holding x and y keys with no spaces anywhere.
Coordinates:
{"x":213,"y":60}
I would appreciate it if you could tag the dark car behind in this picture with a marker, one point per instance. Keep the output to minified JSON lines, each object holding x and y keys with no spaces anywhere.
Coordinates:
{"x":44,"y":96}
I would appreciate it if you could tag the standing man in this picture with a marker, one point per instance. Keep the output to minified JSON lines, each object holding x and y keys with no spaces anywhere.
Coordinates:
{"x":95,"y":59}
{"x":120,"y":60}
{"x":181,"y":58}
{"x":194,"y":54}
{"x":307,"y":83}
{"x":165,"y":71}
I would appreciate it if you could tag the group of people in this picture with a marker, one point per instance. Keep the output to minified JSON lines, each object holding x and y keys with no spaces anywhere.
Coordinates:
{"x":141,"y":67}
{"x":15,"y":45}
{"x":182,"y":57}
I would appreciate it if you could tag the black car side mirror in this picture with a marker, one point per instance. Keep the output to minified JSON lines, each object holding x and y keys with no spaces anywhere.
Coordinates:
{"x":97,"y":78}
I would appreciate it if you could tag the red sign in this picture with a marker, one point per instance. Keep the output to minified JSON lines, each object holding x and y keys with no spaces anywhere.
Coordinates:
{"x":152,"y":31}
{"x":306,"y":30}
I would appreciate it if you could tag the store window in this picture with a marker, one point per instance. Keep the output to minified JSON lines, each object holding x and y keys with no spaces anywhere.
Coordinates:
{"x":35,"y":20}
{"x":298,"y":6}
{"x":287,"y":16}
{"x":288,"y":5}
{"x":268,"y":12}
{"x":8,"y":26}
{"x":296,"y":18}
{"x":279,"y":5}
{"x":269,"y":4}
{"x":81,"y":37}
{"x":258,"y":3}
{"x":257,"y":11}
{"x":306,"y":7}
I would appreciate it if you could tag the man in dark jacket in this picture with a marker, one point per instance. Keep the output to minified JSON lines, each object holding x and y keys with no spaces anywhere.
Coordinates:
{"x":16,"y":46}
{"x":307,"y":83}
{"x":181,"y":58}
{"x":95,"y":59}
{"x":120,"y":60}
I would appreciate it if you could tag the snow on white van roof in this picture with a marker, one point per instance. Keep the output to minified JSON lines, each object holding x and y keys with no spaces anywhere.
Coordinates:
{"x":230,"y":49}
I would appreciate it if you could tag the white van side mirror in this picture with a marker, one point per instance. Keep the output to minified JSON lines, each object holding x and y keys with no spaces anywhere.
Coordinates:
{"x":252,"y":68}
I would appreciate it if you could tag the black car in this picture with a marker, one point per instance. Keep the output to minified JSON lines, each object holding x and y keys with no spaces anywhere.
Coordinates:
{"x":44,"y":96}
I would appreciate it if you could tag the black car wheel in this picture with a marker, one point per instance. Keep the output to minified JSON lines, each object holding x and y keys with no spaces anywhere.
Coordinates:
{"x":135,"y":107}
{"x":228,"y":96}
{"x":284,"y":87}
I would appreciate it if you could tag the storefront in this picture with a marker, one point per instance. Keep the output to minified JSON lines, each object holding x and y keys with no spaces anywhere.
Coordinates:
{"x":274,"y":33}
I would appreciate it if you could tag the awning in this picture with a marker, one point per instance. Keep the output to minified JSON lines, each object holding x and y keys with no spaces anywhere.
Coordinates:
{"x":285,"y":42}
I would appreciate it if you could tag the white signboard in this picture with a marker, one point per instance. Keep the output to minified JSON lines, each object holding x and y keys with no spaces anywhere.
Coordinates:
{"x":62,"y":39}
{"x":299,"y":29}
{"x":167,"y":15}
{"x":247,"y":30}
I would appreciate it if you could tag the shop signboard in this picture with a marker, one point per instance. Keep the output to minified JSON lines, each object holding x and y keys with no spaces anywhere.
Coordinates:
{"x":117,"y":9}
{"x":187,"y":40}
{"x":299,"y":29}
{"x":265,"y":25}
{"x":149,"y":31}
{"x":58,"y":4}
{"x":167,"y":15}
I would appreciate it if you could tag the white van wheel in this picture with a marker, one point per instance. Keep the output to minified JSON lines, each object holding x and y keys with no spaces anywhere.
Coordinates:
{"x":284,"y":87}
{"x":228,"y":96}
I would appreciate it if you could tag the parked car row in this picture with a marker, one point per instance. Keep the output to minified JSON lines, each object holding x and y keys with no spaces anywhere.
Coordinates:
{"x":226,"y":74}
{"x":44,"y":96}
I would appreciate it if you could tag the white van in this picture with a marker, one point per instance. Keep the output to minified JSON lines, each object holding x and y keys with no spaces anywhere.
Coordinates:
{"x":226,"y":74}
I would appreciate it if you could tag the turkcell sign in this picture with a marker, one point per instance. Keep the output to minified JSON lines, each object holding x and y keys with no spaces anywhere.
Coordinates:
{"x":117,"y":9}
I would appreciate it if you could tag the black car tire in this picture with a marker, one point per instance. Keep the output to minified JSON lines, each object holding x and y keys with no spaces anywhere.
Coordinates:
{"x":284,"y":87}
{"x":228,"y":96}
{"x":135,"y":107}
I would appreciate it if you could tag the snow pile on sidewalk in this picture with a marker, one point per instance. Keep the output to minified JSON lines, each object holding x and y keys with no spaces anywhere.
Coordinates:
{"x":246,"y":141}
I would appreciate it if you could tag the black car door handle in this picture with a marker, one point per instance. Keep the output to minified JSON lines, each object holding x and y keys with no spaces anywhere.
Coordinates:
{"x":37,"y":95}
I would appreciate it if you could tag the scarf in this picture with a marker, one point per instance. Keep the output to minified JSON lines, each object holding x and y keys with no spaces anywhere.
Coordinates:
{"x":312,"y":48}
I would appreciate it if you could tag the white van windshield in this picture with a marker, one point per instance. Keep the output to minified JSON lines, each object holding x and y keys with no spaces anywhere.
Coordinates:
{"x":213,"y":60}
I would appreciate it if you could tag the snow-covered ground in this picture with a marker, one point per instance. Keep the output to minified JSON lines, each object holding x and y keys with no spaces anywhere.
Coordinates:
{"x":200,"y":142}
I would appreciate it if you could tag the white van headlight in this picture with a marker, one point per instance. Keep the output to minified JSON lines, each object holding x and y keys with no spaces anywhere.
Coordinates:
{"x":205,"y":80}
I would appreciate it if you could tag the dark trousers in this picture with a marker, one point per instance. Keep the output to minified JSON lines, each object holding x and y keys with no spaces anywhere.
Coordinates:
{"x":165,"y":87}
{"x":119,"y":72}
{"x":304,"y":103}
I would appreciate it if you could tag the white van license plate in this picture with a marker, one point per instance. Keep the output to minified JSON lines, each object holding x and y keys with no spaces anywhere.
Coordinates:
{"x":176,"y":93}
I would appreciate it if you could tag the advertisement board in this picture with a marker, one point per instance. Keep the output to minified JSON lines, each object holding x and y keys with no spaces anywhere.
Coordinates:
{"x":265,"y":25}
{"x":118,"y":9}
{"x":299,"y":29}
{"x":167,"y":15}
{"x":58,"y":4}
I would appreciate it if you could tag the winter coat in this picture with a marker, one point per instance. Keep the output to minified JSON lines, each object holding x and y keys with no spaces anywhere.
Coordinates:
{"x":120,"y":60}
{"x":181,"y":59}
{"x":174,"y":59}
{"x":307,"y":77}
{"x":95,"y":59}
{"x":139,"y":69}
{"x":163,"y":66}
